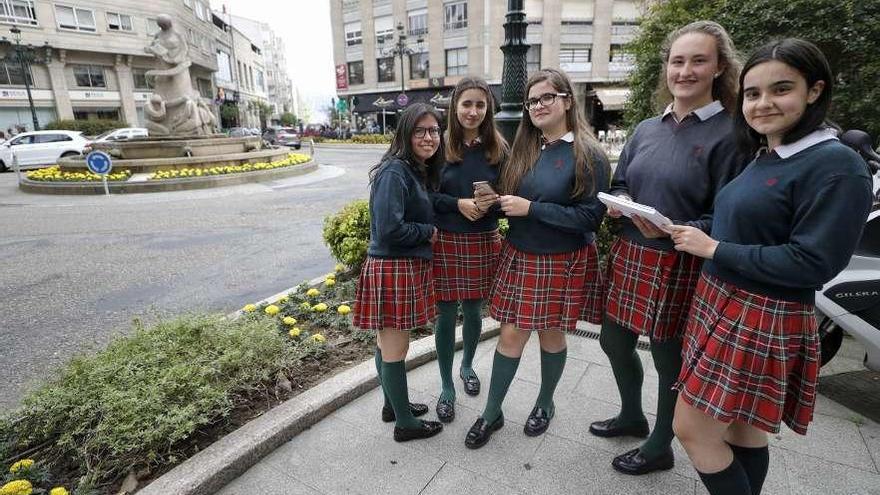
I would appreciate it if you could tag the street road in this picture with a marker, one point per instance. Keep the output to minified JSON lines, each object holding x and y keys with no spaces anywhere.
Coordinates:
{"x":75,"y":270}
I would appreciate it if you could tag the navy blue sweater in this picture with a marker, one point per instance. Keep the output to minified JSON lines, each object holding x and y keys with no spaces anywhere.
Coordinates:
{"x":556,"y":223}
{"x":401,"y":217}
{"x":457,"y":181}
{"x":677,"y":168}
{"x":787,"y":226}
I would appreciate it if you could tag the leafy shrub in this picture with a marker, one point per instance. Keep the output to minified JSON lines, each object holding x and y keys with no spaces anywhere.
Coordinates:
{"x":87,"y":127}
{"x":347,"y":233}
{"x":372,"y":138}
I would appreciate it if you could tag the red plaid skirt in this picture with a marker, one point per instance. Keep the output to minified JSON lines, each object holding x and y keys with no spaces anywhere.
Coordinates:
{"x":394,"y":293}
{"x":464,"y":264}
{"x":650,"y":290}
{"x":547,"y":291}
{"x":750,"y":358}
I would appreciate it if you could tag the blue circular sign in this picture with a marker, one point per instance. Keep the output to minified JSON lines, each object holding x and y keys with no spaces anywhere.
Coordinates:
{"x":99,"y":162}
{"x":402,"y":99}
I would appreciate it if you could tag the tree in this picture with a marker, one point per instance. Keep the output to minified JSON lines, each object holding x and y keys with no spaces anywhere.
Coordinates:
{"x":847,"y":32}
{"x":289,"y":119}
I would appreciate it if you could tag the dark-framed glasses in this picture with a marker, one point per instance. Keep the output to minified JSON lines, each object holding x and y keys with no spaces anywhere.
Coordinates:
{"x":420,"y":132}
{"x":545,"y":100}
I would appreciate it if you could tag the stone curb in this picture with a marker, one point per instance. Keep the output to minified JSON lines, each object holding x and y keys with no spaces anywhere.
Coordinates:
{"x":342,"y":146}
{"x":215,"y":467}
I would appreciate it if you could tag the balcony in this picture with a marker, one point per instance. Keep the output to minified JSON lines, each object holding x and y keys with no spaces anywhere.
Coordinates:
{"x":451,"y":26}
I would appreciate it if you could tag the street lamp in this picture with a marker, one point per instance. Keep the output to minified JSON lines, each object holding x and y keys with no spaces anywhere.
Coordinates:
{"x":399,"y":48}
{"x":513,"y":78}
{"x":24,"y":56}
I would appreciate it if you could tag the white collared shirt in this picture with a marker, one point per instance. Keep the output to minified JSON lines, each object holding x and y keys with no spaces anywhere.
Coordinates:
{"x":568,"y":137}
{"x":703,"y":113}
{"x":819,"y":135}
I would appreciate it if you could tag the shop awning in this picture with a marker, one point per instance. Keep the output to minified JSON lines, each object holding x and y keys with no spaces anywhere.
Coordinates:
{"x":612,"y":98}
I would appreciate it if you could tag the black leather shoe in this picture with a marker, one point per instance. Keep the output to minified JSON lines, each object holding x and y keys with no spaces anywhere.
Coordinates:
{"x":538,"y":422}
{"x":480,"y":432}
{"x":416,"y":410}
{"x":427,"y":430}
{"x":610,"y":428}
{"x":633,"y":462}
{"x":445,"y":410}
{"x":471,"y":384}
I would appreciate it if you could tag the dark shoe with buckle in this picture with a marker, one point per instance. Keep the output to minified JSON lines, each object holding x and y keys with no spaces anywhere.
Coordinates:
{"x":538,"y":421}
{"x":445,"y":410}
{"x":427,"y":430}
{"x":612,"y":428}
{"x":416,"y":410}
{"x":633,"y":462}
{"x":471,"y":384}
{"x":480,"y":432}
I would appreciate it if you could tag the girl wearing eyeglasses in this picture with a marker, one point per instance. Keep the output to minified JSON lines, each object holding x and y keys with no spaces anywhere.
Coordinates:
{"x":548,"y":276}
{"x":466,"y":251}
{"x":675,"y":162}
{"x":395,"y":292}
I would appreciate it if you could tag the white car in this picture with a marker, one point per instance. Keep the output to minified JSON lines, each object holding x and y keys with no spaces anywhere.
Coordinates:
{"x":41,"y":148}
{"x":124,"y":134}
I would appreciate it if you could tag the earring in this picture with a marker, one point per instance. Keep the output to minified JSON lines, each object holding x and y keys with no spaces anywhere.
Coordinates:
{"x":716,"y":75}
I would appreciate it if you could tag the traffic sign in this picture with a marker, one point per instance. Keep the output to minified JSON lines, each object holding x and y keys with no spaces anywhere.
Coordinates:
{"x":99,"y":162}
{"x":402,"y":100}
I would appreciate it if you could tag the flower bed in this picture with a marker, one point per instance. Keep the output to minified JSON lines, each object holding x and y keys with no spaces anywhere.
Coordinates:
{"x":291,"y":160}
{"x":55,"y":174}
{"x":357,"y":139}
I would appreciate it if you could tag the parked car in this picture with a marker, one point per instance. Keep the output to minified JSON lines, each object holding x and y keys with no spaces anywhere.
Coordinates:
{"x":124,"y":134}
{"x":238,"y":132}
{"x":41,"y":148}
{"x":283,"y":136}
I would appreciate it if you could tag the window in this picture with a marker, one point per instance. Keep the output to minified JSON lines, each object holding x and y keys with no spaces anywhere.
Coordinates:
{"x":418,"y":22}
{"x":75,"y":18}
{"x":140,"y":79}
{"x":193,"y":37}
{"x":386,"y":69}
{"x":353,"y":34}
{"x":620,"y":60}
{"x":12,"y":75}
{"x":240,"y":73}
{"x":224,"y":66}
{"x":89,"y":76}
{"x":51,"y":138}
{"x":118,"y":22}
{"x":418,"y":66}
{"x":350,"y":5}
{"x":533,"y":59}
{"x":356,"y":72}
{"x":200,"y":11}
{"x":260,"y":85}
{"x":456,"y":16}
{"x":575,"y":58}
{"x":384,"y":29}
{"x":456,"y":62}
{"x":205,"y":88}
{"x":18,"y":12}
{"x":622,"y":28}
{"x":152,"y":27}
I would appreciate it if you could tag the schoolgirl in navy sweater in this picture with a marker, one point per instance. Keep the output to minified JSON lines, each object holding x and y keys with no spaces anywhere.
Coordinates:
{"x":548,"y":276}
{"x":780,"y":230}
{"x":468,"y":243}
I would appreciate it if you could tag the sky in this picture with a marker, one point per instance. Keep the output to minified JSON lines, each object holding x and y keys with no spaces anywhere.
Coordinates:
{"x":305,"y":27}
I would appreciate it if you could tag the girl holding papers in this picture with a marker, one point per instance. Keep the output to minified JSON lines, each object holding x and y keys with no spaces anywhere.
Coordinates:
{"x":675,"y":162}
{"x":785,"y":226}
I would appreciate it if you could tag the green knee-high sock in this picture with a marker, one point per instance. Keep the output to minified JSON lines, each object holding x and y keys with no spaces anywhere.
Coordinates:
{"x":503,"y":371}
{"x":378,"y":360}
{"x":667,"y":359}
{"x":552,"y":365}
{"x":619,"y":345}
{"x":473,"y":325}
{"x":444,"y":340}
{"x":394,"y":383}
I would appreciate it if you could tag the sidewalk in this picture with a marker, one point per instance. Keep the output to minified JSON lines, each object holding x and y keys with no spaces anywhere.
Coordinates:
{"x":352,"y":451}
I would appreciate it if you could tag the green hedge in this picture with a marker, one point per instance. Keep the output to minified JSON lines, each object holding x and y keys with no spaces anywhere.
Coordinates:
{"x":87,"y":127}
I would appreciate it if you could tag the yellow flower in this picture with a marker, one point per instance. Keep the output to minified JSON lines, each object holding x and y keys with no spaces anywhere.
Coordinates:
{"x":319,"y":338}
{"x":294,"y":332}
{"x":272,"y":310}
{"x":22,"y":464}
{"x":330,"y":275}
{"x":249,"y":308}
{"x":330,"y":282}
{"x":17,"y":487}
{"x":313,"y":292}
{"x":305,"y":306}
{"x":59,"y":491}
{"x":320,"y":307}
{"x":340,"y":267}
{"x":343,"y":309}
{"x":289,"y":321}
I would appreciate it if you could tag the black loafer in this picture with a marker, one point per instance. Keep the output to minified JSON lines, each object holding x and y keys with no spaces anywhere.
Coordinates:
{"x":538,"y":421}
{"x":480,"y":432}
{"x":427,"y":430}
{"x":633,"y":462}
{"x":445,"y":410}
{"x":416,"y":410}
{"x":471,"y":384}
{"x":611,"y":428}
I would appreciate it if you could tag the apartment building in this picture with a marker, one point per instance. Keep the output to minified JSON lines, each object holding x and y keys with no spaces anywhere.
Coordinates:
{"x":241,"y":74}
{"x":448,"y":39}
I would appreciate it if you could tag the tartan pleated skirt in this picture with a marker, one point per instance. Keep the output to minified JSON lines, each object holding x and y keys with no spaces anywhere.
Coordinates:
{"x":464,"y":264}
{"x":396,"y":293}
{"x":750,"y":358}
{"x":650,"y":290}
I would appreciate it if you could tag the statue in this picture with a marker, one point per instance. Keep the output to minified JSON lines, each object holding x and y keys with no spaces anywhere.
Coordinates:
{"x":175,"y":107}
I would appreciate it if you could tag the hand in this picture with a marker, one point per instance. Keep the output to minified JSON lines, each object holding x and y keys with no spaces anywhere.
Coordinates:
{"x":693,"y":240}
{"x":514,"y":206}
{"x":485,"y":200}
{"x":614,"y":212}
{"x":468,"y":207}
{"x":648,"y":229}
{"x":434,"y":236}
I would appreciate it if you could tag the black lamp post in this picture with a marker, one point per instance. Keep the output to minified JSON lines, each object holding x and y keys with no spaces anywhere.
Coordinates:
{"x":399,"y":48}
{"x":513,"y":78}
{"x":24,"y":56}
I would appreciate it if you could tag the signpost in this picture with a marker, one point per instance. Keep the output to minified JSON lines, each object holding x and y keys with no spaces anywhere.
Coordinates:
{"x":101,"y":164}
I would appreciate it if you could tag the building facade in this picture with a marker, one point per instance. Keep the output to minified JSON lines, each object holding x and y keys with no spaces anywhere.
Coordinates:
{"x":452,"y":38}
{"x":91,"y":59}
{"x":241,"y":75}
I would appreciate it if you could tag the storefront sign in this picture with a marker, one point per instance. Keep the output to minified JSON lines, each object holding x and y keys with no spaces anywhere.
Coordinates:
{"x":95,"y":95}
{"x":141,"y":97}
{"x":20,"y":94}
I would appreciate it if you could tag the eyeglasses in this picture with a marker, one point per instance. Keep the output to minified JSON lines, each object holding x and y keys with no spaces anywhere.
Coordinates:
{"x":545,"y":100}
{"x":420,"y":132}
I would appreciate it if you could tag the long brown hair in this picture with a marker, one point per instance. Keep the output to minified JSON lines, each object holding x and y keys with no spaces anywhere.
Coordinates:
{"x":527,"y":144}
{"x":725,"y":86}
{"x":494,"y":143}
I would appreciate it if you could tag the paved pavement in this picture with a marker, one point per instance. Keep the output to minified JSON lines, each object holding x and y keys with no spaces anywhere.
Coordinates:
{"x":352,"y":451}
